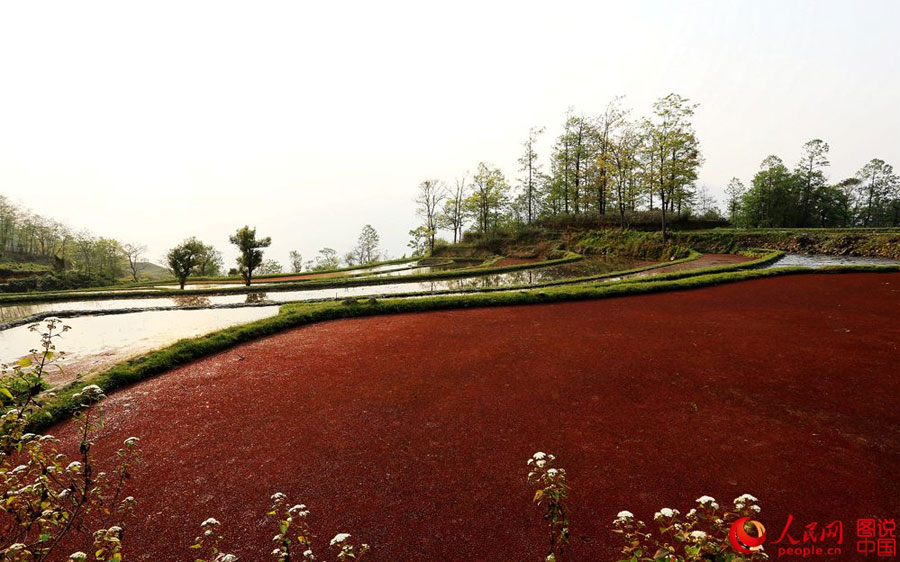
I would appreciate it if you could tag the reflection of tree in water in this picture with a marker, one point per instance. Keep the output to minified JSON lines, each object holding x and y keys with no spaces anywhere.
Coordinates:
{"x":191,"y":301}
{"x":257,"y":297}
{"x":10,"y":313}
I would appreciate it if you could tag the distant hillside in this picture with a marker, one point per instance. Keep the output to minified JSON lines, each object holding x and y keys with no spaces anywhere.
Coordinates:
{"x":153,"y":272}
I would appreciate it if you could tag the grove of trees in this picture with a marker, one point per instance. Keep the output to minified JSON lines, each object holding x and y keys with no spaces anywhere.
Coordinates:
{"x":607,"y":167}
{"x":780,"y":197}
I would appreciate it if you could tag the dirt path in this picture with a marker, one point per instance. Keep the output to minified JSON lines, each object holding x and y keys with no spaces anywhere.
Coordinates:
{"x":411,"y":432}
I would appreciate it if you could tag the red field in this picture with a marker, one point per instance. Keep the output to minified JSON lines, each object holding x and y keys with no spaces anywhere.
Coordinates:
{"x":411,"y":432}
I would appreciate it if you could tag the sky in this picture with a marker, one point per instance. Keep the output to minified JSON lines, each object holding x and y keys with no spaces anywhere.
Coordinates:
{"x":154,"y":121}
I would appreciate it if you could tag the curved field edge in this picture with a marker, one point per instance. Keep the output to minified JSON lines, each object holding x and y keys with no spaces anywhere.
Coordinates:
{"x":301,"y":314}
{"x":285,"y":286}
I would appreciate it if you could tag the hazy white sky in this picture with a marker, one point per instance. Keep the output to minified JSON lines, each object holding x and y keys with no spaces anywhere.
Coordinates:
{"x":155,"y":121}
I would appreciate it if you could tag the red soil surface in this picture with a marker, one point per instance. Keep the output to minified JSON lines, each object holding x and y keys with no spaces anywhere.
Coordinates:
{"x":411,"y":432}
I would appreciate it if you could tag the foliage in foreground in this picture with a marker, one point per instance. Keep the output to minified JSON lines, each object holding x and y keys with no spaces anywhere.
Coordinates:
{"x":701,"y":534}
{"x":47,"y":496}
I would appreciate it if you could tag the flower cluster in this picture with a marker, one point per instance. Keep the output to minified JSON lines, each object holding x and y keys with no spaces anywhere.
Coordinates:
{"x":552,"y":492}
{"x":702,"y":534}
{"x":46,"y":493}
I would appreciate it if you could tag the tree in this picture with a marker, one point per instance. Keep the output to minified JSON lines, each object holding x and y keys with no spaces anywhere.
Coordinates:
{"x":734,"y":192}
{"x":771,"y":200}
{"x":296,"y":261}
{"x":488,"y":198}
{"x":269,"y":267}
{"x":454,"y":215}
{"x":327,"y":259}
{"x":810,"y":171}
{"x":602,"y":158}
{"x":366,"y":250}
{"x":431,"y":194}
{"x":877,"y":186}
{"x":209,"y":262}
{"x":182,"y":259}
{"x":625,"y":164}
{"x":418,"y":241}
{"x":674,"y":153}
{"x":250,"y":249}
{"x":529,"y":166}
{"x":134,"y":253}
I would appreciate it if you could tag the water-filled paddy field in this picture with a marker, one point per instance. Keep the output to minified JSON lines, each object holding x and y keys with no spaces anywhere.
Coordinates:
{"x":115,"y":329}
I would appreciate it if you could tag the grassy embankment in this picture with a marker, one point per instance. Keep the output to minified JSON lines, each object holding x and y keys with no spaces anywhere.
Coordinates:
{"x":880,"y":242}
{"x":300,"y":314}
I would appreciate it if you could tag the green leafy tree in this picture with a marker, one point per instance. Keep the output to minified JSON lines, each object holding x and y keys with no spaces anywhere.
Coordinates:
{"x":183,"y":259}
{"x":250,"y":248}
{"x":734,"y":192}
{"x":876,"y":189}
{"x":674,"y":152}
{"x":811,"y":179}
{"x":771,"y":200}
{"x":209,"y":261}
{"x":488,"y":199}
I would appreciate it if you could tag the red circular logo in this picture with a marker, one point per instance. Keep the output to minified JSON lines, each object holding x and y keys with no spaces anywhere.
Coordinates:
{"x":742,"y":541}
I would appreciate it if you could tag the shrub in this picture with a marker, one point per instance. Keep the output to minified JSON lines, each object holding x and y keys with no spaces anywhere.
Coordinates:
{"x":702,"y":534}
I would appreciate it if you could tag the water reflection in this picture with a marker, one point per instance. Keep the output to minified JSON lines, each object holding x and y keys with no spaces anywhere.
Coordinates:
{"x":98,"y":342}
{"x":820,"y":260}
{"x":256,"y":298}
{"x":191,"y":301}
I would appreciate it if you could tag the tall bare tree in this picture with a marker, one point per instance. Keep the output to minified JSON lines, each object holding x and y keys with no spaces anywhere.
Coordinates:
{"x":531,"y":169}
{"x":454,"y":214}
{"x":428,"y":201}
{"x":134,"y":253}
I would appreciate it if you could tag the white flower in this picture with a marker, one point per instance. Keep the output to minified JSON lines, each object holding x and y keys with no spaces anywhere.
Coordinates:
{"x":78,"y":556}
{"x":227,"y":558}
{"x":74,"y":466}
{"x":625,"y":515}
{"x":538,"y":456}
{"x":308,"y":554}
{"x":745,"y":498}
{"x":132,"y":441}
{"x":210,"y":521}
{"x":755,"y":508}
{"x":703,"y":500}
{"x":698,"y":534}
{"x":541,"y":463}
{"x":340,"y":538}
{"x":691,"y":514}
{"x":278,"y":496}
{"x":666,"y":512}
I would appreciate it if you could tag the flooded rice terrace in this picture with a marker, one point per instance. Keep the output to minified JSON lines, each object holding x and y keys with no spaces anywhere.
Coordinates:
{"x":108,"y":331}
{"x":98,"y":342}
{"x":819,"y":260}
